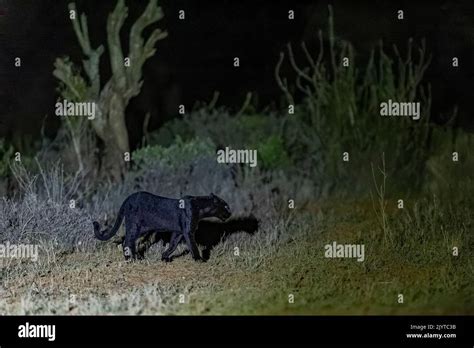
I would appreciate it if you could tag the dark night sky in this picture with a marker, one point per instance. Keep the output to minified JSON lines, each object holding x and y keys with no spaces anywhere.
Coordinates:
{"x":196,"y":58}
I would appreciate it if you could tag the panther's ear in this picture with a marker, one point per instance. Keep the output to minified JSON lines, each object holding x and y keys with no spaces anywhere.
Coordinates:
{"x":213,"y":195}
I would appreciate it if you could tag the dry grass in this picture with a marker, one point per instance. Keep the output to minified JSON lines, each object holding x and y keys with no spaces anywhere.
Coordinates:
{"x":287,"y":258}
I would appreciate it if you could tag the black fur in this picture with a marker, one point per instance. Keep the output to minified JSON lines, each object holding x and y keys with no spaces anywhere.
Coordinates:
{"x":145,"y":213}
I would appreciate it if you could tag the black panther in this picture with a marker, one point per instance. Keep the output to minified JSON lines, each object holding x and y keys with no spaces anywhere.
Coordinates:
{"x":146,"y":213}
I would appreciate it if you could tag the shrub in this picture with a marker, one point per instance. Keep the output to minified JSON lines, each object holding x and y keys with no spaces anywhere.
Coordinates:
{"x":272,"y":153}
{"x":176,"y":154}
{"x":252,"y":131}
{"x":221,"y":127}
{"x":451,"y":180}
{"x":42,"y":214}
{"x":340,"y":111}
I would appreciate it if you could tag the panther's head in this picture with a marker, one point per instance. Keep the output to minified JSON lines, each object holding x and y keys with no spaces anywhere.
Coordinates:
{"x":222,"y":210}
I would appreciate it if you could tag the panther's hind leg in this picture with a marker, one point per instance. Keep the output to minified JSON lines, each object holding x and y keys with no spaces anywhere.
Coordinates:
{"x":143,"y":243}
{"x":141,"y":246}
{"x":131,"y":234}
{"x":175,"y":239}
{"x":192,"y":245}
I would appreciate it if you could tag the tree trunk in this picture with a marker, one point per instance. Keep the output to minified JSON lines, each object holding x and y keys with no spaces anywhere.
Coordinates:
{"x":124,"y":84}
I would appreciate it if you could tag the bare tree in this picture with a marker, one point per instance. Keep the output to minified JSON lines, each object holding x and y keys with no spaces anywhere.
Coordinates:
{"x":125,"y":83}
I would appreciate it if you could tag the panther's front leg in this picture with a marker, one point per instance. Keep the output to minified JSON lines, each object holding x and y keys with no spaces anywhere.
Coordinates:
{"x":190,"y":241}
{"x":189,"y":237}
{"x":175,"y":239}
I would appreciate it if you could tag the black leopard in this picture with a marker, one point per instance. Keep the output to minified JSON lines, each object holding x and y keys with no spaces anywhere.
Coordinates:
{"x":146,"y":213}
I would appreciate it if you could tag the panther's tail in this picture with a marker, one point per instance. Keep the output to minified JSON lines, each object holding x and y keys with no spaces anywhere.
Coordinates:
{"x":110,"y":232}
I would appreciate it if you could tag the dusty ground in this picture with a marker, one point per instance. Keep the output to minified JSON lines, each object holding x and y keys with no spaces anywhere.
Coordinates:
{"x":260,"y":280}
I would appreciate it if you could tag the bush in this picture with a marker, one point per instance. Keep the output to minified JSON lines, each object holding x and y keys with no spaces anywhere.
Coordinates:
{"x":42,"y":212}
{"x":451,"y":180}
{"x":176,"y":154}
{"x":272,"y":153}
{"x":340,"y":112}
{"x":251,"y":131}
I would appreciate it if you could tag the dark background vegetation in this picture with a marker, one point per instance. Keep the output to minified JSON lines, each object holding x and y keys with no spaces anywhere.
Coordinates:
{"x":196,"y":59}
